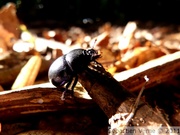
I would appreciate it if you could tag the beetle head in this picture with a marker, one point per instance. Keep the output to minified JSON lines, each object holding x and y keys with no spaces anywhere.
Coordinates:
{"x":93,"y":54}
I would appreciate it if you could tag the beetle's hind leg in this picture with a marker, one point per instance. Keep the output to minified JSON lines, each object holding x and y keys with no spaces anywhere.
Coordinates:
{"x":66,"y":89}
{"x":63,"y":95}
{"x":73,"y":82}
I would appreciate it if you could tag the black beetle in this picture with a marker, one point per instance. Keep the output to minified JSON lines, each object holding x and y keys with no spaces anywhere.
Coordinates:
{"x":65,"y":69}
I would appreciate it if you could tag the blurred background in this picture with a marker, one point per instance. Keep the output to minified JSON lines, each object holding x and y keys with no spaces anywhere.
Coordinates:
{"x":90,"y":11}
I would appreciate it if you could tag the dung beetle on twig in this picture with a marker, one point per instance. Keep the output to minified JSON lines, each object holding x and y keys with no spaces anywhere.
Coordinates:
{"x":65,"y":69}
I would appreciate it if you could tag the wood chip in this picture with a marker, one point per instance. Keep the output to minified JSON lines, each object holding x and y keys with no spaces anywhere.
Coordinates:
{"x":28,"y":73}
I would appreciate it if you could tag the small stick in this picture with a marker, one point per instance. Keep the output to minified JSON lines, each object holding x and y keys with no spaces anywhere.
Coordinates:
{"x":126,"y":120}
{"x":139,"y":96}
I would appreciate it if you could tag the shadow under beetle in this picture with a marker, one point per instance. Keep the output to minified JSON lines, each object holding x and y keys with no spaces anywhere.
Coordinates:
{"x":65,"y":69}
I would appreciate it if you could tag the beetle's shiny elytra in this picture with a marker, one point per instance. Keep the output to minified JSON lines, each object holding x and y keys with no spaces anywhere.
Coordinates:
{"x":65,"y":69}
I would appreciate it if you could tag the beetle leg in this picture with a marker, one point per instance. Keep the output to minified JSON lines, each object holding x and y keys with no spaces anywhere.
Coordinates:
{"x":74,"y":84}
{"x":67,"y":86}
{"x":62,"y":96}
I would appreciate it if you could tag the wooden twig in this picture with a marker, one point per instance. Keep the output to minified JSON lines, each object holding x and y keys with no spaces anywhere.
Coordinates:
{"x":116,"y":101}
{"x":17,"y":103}
{"x":158,"y":71}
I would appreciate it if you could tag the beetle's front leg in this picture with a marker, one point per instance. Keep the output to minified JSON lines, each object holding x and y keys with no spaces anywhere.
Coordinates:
{"x":74,"y":84}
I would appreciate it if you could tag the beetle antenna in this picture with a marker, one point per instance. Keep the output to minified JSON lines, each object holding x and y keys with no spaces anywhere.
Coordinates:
{"x":93,"y":45}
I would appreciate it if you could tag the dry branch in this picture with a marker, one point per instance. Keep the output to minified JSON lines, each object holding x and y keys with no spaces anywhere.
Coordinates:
{"x":16,"y":103}
{"x":114,"y":100}
{"x":158,"y":71}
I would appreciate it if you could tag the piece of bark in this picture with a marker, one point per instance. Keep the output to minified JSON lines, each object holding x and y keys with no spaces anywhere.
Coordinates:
{"x":158,"y":71}
{"x":18,"y":103}
{"x":114,"y":100}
